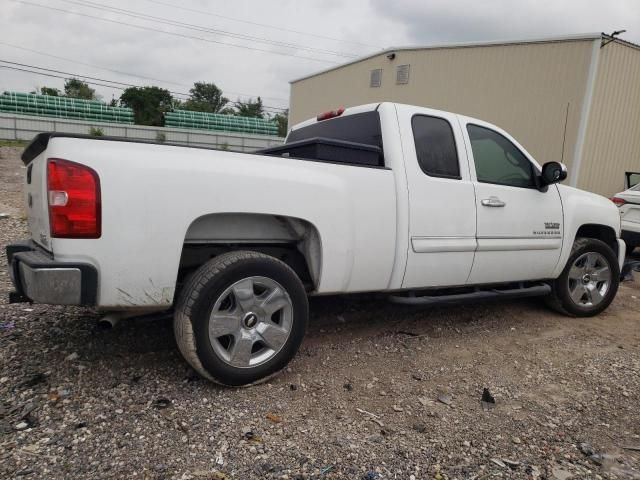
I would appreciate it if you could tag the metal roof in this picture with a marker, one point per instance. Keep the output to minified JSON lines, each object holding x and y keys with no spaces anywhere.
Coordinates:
{"x":565,"y":38}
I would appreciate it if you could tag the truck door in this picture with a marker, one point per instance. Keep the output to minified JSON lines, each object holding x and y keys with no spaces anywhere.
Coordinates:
{"x":519,"y":229}
{"x":442,"y":210}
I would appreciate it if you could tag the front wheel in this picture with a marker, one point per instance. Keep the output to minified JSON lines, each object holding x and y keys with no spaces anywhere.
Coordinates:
{"x":241,"y":318}
{"x":589,"y":281}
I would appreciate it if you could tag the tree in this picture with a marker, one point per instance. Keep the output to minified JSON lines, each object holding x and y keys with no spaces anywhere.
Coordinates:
{"x":205,"y":97}
{"x":148,"y":104}
{"x":282,"y":120}
{"x":75,"y":88}
{"x":250,"y":108}
{"x":52,"y":92}
{"x":177,"y":104}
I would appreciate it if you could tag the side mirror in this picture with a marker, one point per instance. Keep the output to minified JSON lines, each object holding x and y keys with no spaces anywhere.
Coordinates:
{"x":553,"y":172}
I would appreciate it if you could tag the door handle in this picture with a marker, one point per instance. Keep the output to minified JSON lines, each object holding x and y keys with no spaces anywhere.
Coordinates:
{"x":493,"y":202}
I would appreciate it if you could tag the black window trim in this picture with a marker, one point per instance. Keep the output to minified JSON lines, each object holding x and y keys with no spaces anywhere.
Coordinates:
{"x":437,"y":175}
{"x":534,"y":170}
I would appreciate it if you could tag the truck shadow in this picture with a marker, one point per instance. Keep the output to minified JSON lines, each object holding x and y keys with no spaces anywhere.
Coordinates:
{"x":139,"y":347}
{"x":374,"y":315}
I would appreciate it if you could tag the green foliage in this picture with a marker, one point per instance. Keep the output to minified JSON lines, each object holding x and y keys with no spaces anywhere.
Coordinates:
{"x":96,"y":132}
{"x":75,"y":88}
{"x":250,"y":108}
{"x":13,"y":143}
{"x":282,"y":120}
{"x":205,"y":97}
{"x":161,"y":137}
{"x":148,"y":104}
{"x":52,"y":92}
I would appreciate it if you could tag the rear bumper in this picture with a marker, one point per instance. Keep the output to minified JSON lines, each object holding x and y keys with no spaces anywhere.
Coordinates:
{"x":629,"y":226}
{"x":38,"y":278}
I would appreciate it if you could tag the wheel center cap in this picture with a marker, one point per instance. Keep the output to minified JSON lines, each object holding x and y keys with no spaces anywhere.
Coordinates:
{"x":250,"y":320}
{"x":586,"y":278}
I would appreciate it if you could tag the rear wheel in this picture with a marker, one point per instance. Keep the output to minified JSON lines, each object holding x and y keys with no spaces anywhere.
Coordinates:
{"x":589,"y":281}
{"x":241,"y":318}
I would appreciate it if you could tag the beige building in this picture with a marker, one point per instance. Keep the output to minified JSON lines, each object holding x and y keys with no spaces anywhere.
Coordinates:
{"x":572,"y":99}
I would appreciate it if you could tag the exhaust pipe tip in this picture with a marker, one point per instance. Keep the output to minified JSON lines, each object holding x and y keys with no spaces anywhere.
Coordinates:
{"x":109,"y":321}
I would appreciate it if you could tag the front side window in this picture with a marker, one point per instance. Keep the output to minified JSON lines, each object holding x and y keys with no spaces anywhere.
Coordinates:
{"x":435,"y":147}
{"x":498,"y":160}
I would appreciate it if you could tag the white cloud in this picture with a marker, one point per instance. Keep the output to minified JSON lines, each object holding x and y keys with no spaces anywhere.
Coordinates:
{"x":377,"y":23}
{"x":439,"y":21}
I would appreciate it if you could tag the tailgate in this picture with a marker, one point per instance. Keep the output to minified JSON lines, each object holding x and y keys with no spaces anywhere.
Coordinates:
{"x":36,"y":203}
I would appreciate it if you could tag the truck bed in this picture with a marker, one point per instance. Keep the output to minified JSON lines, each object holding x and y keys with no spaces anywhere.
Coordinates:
{"x":314,"y":149}
{"x":153,"y":195}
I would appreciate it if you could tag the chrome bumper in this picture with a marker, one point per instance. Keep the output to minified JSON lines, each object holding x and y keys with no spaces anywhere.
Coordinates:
{"x":38,"y":278}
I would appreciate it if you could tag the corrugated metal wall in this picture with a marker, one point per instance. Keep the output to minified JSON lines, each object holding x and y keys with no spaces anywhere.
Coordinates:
{"x":612,"y":142}
{"x":524,"y":88}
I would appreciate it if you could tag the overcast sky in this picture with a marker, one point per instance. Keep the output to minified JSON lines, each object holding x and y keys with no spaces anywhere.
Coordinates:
{"x":286,"y":39}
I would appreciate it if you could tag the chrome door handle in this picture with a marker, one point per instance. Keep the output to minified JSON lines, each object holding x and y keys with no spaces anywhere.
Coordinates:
{"x":493,"y":202}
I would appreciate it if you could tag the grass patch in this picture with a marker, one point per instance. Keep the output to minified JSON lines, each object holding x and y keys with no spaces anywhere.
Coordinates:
{"x":13,"y":143}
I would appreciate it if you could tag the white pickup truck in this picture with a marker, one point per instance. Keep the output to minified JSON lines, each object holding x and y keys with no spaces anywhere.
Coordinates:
{"x":422,"y":204}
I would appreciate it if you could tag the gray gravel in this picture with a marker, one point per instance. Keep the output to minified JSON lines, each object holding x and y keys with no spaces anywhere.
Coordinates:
{"x":376,"y":392}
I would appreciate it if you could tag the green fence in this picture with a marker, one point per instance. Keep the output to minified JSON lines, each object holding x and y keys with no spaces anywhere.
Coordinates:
{"x":220,"y":122}
{"x":63,"y":107}
{"x":76,"y":109}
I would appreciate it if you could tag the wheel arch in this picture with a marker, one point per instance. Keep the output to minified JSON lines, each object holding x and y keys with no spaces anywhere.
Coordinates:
{"x":600,"y":232}
{"x":295,"y":241}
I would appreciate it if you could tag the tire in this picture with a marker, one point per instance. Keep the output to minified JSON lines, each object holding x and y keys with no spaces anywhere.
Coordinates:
{"x":585,"y":288}
{"x":241,"y":318}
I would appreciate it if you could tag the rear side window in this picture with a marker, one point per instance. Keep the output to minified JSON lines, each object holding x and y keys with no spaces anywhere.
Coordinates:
{"x":357,"y":128}
{"x":435,"y":147}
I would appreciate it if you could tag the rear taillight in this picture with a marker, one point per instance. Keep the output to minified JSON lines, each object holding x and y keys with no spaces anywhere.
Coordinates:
{"x":74,"y":200}
{"x":618,"y":201}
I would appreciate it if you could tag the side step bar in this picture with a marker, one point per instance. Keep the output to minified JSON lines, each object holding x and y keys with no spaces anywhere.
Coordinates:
{"x":412,"y":299}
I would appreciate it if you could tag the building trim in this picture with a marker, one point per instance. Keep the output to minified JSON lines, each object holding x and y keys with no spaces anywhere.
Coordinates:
{"x":584,"y":114}
{"x":494,"y":43}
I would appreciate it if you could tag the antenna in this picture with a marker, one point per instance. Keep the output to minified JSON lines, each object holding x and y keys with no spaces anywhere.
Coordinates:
{"x":564,"y":135}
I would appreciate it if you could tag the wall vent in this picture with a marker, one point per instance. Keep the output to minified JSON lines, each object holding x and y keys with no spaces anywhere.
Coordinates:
{"x":402,"y":74}
{"x":376,"y":78}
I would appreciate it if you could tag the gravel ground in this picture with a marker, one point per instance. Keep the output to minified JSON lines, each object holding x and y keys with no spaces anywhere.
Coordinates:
{"x":376,"y":392}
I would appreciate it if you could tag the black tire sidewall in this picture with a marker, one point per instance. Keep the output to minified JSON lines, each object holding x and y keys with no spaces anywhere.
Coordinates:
{"x":562,"y":283}
{"x":214,"y":286}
